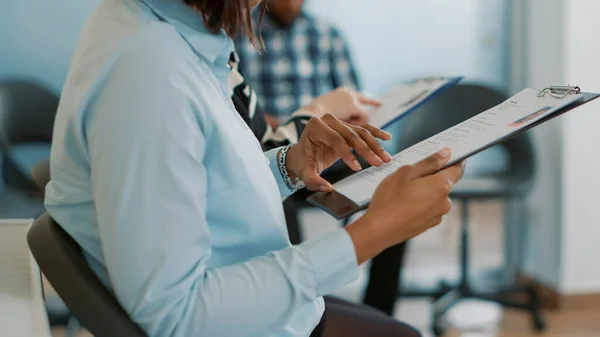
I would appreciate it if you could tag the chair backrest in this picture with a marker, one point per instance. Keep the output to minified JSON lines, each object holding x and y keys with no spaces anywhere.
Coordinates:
{"x":27,"y":113}
{"x":62,"y":262}
{"x":454,"y":106}
{"x":41,"y":175}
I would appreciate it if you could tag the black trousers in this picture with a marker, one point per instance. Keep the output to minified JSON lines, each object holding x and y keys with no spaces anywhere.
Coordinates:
{"x":344,"y":319}
{"x":384,"y":279}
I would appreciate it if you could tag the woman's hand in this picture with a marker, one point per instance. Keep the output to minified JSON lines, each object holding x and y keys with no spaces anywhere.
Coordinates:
{"x":405,"y":204}
{"x":345,"y":104}
{"x":325,"y":140}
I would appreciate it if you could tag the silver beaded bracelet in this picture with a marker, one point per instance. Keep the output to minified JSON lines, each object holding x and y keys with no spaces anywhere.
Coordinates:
{"x":295,"y":184}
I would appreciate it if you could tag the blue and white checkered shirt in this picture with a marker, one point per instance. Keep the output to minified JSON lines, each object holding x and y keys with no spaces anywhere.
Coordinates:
{"x":301,"y":62}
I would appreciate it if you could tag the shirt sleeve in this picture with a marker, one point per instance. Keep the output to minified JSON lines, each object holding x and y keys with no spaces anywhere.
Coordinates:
{"x":147,"y":146}
{"x":289,"y":132}
{"x":247,"y":106}
{"x":246,"y":103}
{"x":343,"y":73}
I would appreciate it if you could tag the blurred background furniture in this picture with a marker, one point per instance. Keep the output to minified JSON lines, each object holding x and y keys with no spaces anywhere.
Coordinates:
{"x":27,"y":112}
{"x":22,"y":311}
{"x":510,"y":183}
{"x":65,"y":267}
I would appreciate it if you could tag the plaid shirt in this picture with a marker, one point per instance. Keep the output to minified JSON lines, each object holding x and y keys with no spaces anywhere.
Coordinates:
{"x":301,"y":62}
{"x":246,"y":104}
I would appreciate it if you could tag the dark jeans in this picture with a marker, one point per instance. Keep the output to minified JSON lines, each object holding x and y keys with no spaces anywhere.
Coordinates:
{"x":344,"y":319}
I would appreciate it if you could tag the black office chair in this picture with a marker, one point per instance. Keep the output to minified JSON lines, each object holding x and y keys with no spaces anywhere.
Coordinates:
{"x":448,"y":109}
{"x":27,"y":113}
{"x":63,"y":264}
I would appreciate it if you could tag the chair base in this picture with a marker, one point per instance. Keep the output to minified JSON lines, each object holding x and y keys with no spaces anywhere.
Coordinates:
{"x":516,"y":297}
{"x":446,"y":297}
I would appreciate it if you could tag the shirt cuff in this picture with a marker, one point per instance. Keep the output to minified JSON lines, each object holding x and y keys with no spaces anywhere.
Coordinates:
{"x":305,"y":113}
{"x":271,"y":155}
{"x":333,"y":260}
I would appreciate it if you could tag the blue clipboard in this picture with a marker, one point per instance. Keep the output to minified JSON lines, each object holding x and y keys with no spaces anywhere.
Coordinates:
{"x":451,"y":81}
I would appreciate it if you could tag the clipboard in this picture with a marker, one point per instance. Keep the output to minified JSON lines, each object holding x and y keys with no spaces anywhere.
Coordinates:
{"x":340,"y":207}
{"x":450,"y":81}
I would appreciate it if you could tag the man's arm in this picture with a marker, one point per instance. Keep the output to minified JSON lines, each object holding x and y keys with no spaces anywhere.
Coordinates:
{"x":343,"y":72}
{"x":287,"y":133}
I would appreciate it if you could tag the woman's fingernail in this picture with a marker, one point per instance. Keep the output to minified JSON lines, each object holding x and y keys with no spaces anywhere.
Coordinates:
{"x":323,"y":188}
{"x":387,"y":156}
{"x":464,"y":163}
{"x":379,"y":160}
{"x":445,"y":152}
{"x":356,"y":164}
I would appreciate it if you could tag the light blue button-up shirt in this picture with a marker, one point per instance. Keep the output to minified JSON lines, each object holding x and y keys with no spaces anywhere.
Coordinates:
{"x":168,"y":192}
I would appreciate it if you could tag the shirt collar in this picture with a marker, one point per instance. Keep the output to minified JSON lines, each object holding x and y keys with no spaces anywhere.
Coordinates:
{"x":190,"y":24}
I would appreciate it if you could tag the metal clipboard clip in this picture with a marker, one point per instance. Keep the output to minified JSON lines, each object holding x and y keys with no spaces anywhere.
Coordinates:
{"x":560,"y":91}
{"x":430,"y":79}
{"x":427,"y":80}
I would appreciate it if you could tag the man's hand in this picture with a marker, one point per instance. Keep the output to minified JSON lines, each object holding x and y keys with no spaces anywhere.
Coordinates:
{"x":272,"y":121}
{"x":327,"y":139}
{"x":345,"y":104}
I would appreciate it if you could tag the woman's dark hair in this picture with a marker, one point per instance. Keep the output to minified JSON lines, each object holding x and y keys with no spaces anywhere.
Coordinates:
{"x":233,"y":16}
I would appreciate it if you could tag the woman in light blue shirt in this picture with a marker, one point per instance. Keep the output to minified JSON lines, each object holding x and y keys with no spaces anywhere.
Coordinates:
{"x":172,"y":200}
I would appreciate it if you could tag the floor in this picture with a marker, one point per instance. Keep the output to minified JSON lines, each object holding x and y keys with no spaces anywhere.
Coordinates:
{"x":434,"y":256}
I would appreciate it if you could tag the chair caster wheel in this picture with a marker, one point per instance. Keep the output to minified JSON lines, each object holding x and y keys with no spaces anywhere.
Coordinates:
{"x":443,"y":289}
{"x":438,"y":331}
{"x":539,"y":324}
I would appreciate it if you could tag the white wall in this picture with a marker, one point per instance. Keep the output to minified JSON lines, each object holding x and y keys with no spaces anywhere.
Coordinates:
{"x":37,"y":38}
{"x":581,"y":162}
{"x":396,"y":40}
{"x":537,"y":61}
{"x":559,"y":46}
{"x":471,"y":44}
